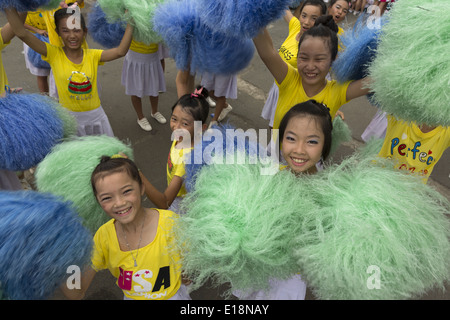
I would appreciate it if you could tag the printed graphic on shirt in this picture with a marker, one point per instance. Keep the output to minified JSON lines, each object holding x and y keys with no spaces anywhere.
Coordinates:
{"x":79,"y":83}
{"x":145,"y":283}
{"x":411,"y":152}
{"x":286,"y":53}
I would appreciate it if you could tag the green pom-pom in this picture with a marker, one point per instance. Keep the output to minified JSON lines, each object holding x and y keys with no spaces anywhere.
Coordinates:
{"x":240,"y":225}
{"x":383,"y":234}
{"x":66,"y":171}
{"x":411,"y":71}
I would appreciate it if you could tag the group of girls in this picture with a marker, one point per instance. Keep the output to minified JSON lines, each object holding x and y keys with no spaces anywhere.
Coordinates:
{"x":133,"y":244}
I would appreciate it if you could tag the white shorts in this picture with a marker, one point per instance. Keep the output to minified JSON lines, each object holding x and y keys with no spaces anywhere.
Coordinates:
{"x":93,"y":122}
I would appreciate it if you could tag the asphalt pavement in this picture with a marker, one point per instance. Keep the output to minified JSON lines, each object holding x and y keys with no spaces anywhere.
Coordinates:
{"x":151,"y":148}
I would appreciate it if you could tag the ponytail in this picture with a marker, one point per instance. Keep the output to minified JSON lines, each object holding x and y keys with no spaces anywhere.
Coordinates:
{"x":195,"y":104}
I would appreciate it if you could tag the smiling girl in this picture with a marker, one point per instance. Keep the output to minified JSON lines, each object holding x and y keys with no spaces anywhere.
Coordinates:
{"x":186,"y":111}
{"x":302,"y":20}
{"x":134,"y":244}
{"x":318,"y":48}
{"x":75,"y":69}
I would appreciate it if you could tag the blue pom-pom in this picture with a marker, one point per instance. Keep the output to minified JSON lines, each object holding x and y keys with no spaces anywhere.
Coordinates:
{"x":220,"y":145}
{"x":36,"y":58}
{"x":40,"y":237}
{"x":241,"y":18}
{"x":29,"y":127}
{"x":106,"y":33}
{"x":174,"y":21}
{"x":24,"y":5}
{"x":217,"y":53}
{"x":360,"y":44}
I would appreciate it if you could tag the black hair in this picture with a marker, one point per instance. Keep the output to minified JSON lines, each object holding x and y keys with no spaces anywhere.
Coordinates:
{"x":195,"y":104}
{"x":110,"y":165}
{"x":318,"y":3}
{"x":316,"y":110}
{"x":67,"y":12}
{"x":324,"y":27}
{"x":332,"y":2}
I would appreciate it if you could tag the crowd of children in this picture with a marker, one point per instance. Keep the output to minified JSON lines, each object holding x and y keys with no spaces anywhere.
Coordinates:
{"x":302,"y":104}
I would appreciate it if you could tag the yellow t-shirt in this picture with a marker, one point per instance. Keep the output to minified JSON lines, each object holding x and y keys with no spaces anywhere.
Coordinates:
{"x":76,"y":83}
{"x":158,"y":274}
{"x":53,"y":36}
{"x":3,"y":77}
{"x":340,"y":34}
{"x":291,"y":92}
{"x":36,"y":20}
{"x":412,"y":149}
{"x":143,"y":48}
{"x":175,"y":165}
{"x":289,"y":49}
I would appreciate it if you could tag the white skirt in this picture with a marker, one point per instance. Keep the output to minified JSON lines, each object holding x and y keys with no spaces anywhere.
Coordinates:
{"x":223,"y":86}
{"x":163,"y":51}
{"x":268,"y":111}
{"x":9,"y":180}
{"x":142,"y":74}
{"x":93,"y":122}
{"x":33,"y":70}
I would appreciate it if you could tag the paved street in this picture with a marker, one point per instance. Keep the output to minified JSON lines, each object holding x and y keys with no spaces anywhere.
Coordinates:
{"x":151,"y":148}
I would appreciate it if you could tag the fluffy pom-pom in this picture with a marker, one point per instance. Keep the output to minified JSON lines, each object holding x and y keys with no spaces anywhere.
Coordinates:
{"x":29,"y":127}
{"x":35,"y":58}
{"x":242,"y":18}
{"x":102,"y":31}
{"x":359,"y":45}
{"x":383,"y":234}
{"x":411,"y":71}
{"x":138,"y":13}
{"x":66,"y":171}
{"x":218,"y":53}
{"x":174,"y":21}
{"x":40,"y":237}
{"x":341,"y":133}
{"x":239,"y":226}
{"x":26,"y":5}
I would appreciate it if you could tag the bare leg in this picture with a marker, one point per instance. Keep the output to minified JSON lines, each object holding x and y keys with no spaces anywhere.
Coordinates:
{"x":185,"y":82}
{"x":137,"y":105}
{"x":154,"y":104}
{"x":42,"y":84}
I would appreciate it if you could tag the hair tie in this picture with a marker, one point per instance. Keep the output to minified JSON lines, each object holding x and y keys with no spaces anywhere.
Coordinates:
{"x":119,"y":155}
{"x":197,"y":92}
{"x":64,"y":5}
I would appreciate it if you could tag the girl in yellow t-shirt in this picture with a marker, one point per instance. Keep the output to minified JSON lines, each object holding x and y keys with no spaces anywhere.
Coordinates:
{"x":190,"y":109}
{"x":318,"y":48}
{"x":305,"y":141}
{"x":143,"y":75}
{"x":135,"y":244}
{"x":75,"y":69}
{"x":302,"y":19}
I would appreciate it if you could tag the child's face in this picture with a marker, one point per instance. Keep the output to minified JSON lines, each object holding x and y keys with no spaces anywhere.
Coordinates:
{"x":308,"y":16}
{"x":181,"y":123}
{"x":302,"y":144}
{"x":119,"y":196}
{"x":72,"y":37}
{"x":339,"y":10}
{"x":314,"y":60}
